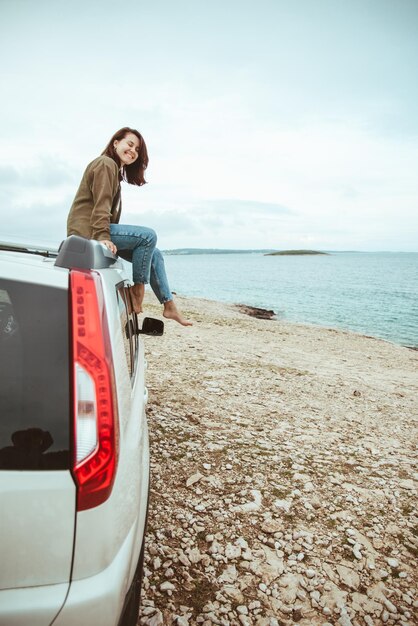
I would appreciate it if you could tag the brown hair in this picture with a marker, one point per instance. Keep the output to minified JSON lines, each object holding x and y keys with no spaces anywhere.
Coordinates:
{"x":133,"y":173}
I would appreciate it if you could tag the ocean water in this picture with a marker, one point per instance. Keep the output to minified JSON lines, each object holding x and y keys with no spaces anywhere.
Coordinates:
{"x":372,"y":293}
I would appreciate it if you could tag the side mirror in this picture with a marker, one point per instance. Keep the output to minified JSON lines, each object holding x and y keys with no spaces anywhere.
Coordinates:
{"x":151,"y":326}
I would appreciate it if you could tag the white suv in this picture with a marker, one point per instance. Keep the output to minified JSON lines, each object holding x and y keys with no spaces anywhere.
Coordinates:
{"x":74,"y":455}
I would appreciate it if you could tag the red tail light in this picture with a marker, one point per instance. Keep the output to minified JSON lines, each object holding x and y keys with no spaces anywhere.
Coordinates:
{"x":95,"y":426}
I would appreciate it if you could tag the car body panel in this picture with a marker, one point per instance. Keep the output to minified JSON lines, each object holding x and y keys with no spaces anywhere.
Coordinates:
{"x":99,"y":599}
{"x":37,"y":606}
{"x":38,"y":511}
{"x":60,"y":565}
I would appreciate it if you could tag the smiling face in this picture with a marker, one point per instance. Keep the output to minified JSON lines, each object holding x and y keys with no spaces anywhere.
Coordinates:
{"x":127,"y":149}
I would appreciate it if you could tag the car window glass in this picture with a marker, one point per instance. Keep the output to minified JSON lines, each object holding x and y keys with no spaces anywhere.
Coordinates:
{"x":126,"y":327}
{"x":129,"y":325}
{"x":34,"y":377}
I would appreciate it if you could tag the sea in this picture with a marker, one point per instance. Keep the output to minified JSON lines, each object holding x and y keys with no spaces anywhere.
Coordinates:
{"x":372,"y":293}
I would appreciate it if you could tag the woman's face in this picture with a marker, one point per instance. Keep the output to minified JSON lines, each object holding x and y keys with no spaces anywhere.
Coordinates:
{"x":127,"y":149}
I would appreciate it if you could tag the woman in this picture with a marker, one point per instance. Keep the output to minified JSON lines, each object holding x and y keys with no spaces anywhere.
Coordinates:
{"x":96,"y":210}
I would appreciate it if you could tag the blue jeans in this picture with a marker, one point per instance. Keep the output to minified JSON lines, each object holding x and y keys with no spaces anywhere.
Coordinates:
{"x":136,"y":244}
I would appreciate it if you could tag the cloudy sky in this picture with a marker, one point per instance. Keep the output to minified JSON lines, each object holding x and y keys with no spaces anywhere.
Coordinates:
{"x":269,"y":124}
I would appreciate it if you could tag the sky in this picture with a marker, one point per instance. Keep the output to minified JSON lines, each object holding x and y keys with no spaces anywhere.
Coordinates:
{"x":270,"y":124}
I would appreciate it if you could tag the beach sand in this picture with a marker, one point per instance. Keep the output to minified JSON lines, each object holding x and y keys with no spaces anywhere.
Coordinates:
{"x":282,"y":474}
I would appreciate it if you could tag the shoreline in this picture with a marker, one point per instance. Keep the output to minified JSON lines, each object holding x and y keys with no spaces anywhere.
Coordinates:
{"x":283,"y":474}
{"x":379,"y":302}
{"x":271,"y":315}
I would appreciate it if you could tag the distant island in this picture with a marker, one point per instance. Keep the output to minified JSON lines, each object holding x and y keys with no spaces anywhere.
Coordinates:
{"x":294,"y":252}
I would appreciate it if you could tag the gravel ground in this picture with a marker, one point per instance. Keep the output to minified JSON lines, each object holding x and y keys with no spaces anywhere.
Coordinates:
{"x":283,"y":485}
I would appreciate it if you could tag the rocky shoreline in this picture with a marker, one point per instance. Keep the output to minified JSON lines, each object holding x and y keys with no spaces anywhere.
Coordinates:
{"x":283,"y":481}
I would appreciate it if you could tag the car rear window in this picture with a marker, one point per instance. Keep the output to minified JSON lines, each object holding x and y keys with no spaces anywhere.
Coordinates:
{"x":34,"y":377}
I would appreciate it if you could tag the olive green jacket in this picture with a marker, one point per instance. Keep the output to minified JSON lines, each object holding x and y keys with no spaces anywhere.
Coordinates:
{"x":97,"y":202}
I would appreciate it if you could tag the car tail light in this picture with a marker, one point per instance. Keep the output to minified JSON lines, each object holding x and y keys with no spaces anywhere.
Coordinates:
{"x":95,"y":419}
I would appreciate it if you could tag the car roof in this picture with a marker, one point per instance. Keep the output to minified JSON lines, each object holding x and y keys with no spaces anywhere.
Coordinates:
{"x":29,"y":248}
{"x":49,"y":265}
{"x":74,"y":252}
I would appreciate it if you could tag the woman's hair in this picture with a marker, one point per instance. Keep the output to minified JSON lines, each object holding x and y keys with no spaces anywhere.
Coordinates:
{"x":133,"y":173}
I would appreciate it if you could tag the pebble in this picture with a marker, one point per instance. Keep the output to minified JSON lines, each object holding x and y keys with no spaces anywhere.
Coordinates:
{"x":407,"y":483}
{"x":247,"y":555}
{"x":194,"y":555}
{"x":255,"y":604}
{"x":272,"y":526}
{"x":249,"y":507}
{"x":233,"y":593}
{"x":155,"y":620}
{"x":392,"y":562}
{"x":148,"y":610}
{"x":283,"y":505}
{"x":229,"y":575}
{"x":357,"y":551}
{"x":242,"y":610}
{"x":316,"y":502}
{"x":184,"y":560}
{"x":232,"y":552}
{"x":348,"y":576}
{"x":194,"y":479}
{"x":390,"y":607}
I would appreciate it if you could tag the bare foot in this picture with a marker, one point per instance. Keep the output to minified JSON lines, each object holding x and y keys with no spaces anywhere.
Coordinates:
{"x":171,"y":312}
{"x":137,"y":293}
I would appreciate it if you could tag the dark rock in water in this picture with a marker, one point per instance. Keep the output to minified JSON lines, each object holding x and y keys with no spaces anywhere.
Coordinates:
{"x":253,"y":311}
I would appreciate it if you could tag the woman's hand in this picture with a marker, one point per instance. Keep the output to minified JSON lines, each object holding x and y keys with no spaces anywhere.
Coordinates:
{"x":110,"y":245}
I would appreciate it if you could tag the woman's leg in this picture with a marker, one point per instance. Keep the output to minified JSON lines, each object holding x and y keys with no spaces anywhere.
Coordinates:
{"x":140,"y":243}
{"x":159,"y":285}
{"x":135,"y":244}
{"x":158,"y":278}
